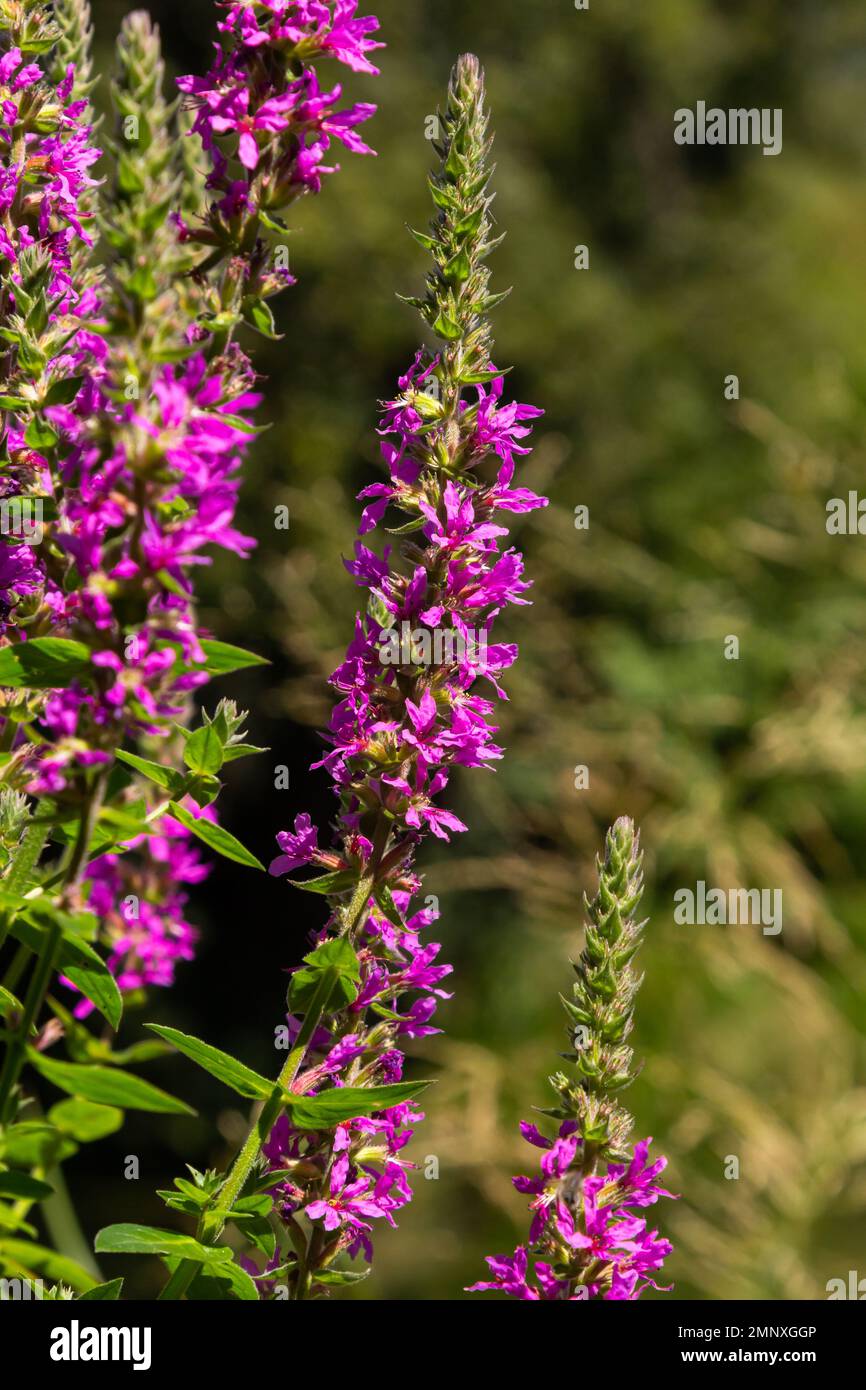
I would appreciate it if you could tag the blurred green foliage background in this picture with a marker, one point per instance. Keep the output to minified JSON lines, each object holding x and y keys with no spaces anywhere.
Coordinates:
{"x":707,"y":518}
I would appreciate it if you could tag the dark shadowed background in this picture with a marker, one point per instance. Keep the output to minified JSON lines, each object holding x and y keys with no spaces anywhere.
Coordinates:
{"x":707,"y":519}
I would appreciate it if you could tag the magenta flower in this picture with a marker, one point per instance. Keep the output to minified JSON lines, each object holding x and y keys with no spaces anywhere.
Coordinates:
{"x":298,"y":848}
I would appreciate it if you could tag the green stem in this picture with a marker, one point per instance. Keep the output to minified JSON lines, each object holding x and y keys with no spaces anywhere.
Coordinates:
{"x":63,"y":1226}
{"x":214,"y":1220}
{"x":41,"y":977}
{"x":180,"y":1280}
{"x":17,"y":1048}
{"x":25,"y":861}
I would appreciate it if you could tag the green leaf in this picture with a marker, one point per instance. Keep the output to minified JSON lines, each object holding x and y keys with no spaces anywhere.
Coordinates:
{"x":203,"y":752}
{"x":63,"y":391}
{"x":386,"y":904}
{"x":128,"y":1238}
{"x":222,"y":658}
{"x":142,"y":283}
{"x":407,"y":527}
{"x":442,"y":196}
{"x":34,"y":1144}
{"x":217,"y":839}
{"x":241,"y":750}
{"x":225,"y":1068}
{"x":43,"y":662}
{"x":39,"y":434}
{"x":84,"y":1120}
{"x":337,"y":882}
{"x":174,"y":586}
{"x":276,"y":224}
{"x":164,"y":777}
{"x":77,"y":961}
{"x":58,"y":1268}
{"x":336,"y":955}
{"x":111,"y":1291}
{"x":470,"y":378}
{"x":219,"y":1280}
{"x":23,"y":1185}
{"x":428,"y":242}
{"x":347,"y":1103}
{"x":340,"y":1277}
{"x":454,"y":164}
{"x":446,"y":328}
{"x":116,"y":826}
{"x":458,"y":269}
{"x":10,"y":1221}
{"x":260,"y":316}
{"x":8,"y":1003}
{"x":107,"y":1086}
{"x":138,"y":1052}
{"x":468,"y":225}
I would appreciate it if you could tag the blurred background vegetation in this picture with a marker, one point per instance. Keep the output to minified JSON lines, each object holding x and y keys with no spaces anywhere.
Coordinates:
{"x":707,"y":518}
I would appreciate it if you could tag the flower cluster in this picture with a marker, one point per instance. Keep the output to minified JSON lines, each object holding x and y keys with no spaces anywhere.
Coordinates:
{"x":46,"y":157}
{"x":267,"y":127}
{"x":125,"y":418}
{"x":346,"y":1178}
{"x":410,"y":707}
{"x":613,"y":1246}
{"x":141,"y":907}
{"x":586,"y":1237}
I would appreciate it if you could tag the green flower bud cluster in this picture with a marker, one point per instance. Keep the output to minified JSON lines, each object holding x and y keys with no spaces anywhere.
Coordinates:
{"x":458,"y":297}
{"x":601,"y":1009}
{"x":149,"y":260}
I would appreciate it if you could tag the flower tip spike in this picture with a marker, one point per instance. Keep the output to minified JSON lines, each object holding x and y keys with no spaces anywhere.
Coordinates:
{"x":588,"y":1239}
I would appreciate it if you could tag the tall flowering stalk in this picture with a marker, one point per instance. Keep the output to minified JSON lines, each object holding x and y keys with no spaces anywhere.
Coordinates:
{"x":126,"y":413}
{"x":327,"y":1153}
{"x":586,"y":1240}
{"x":267,"y":126}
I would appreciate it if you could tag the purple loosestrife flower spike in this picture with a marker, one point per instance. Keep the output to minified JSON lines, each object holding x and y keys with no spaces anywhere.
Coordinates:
{"x":587,"y":1239}
{"x":413,"y":705}
{"x":266,"y":128}
{"x":126,"y":410}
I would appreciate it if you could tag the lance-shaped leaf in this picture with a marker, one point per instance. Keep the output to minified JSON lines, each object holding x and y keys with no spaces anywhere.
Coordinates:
{"x":35,"y":1144}
{"x":102,"y":1292}
{"x":339,"y":881}
{"x":164,"y":777}
{"x":23,"y":1185}
{"x":128,"y":1238}
{"x":48,"y":1264}
{"x":43,"y":662}
{"x":77,"y":961}
{"x":215,"y":837}
{"x":9,"y":1003}
{"x":223,"y":658}
{"x":107,"y":1086}
{"x":224,"y":1067}
{"x":341,"y":1103}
